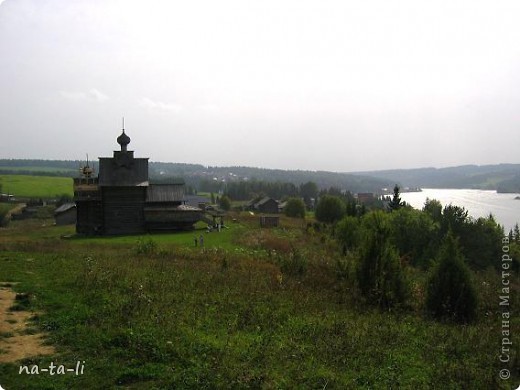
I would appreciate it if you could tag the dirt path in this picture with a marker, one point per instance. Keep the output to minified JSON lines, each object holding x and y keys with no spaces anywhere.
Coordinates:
{"x":19,"y":207}
{"x":17,"y":340}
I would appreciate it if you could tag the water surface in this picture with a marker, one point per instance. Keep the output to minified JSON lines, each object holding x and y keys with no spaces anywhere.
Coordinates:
{"x":479,"y":203}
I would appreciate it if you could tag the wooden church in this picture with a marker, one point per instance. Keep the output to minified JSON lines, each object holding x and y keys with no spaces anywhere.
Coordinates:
{"x":120,"y":200}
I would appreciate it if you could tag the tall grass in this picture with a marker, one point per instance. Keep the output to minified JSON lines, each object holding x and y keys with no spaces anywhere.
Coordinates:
{"x":181,"y":317}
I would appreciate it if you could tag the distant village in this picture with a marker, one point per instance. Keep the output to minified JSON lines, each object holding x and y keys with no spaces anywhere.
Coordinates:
{"x":121,"y":199}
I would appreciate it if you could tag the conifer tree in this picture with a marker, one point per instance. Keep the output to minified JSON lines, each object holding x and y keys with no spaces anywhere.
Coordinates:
{"x":396,"y":203}
{"x":450,"y":292}
{"x":380,"y":276}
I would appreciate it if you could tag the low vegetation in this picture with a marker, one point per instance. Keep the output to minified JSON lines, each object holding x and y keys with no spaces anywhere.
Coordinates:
{"x":4,"y":211}
{"x":450,"y":292}
{"x":360,"y":297}
{"x":295,"y":208}
{"x":254,"y":308}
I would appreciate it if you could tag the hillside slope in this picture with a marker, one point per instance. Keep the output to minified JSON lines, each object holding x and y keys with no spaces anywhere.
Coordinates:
{"x":501,"y":177}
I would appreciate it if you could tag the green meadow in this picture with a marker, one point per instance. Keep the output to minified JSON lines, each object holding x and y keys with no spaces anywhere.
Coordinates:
{"x":255,"y":308}
{"x":36,"y":186}
{"x":38,"y":169}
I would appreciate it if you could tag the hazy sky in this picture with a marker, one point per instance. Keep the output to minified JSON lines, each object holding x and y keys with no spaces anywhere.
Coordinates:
{"x":320,"y":85}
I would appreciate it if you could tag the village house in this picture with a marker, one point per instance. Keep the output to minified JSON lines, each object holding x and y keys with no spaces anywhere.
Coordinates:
{"x":365,"y":197}
{"x":265,"y":205}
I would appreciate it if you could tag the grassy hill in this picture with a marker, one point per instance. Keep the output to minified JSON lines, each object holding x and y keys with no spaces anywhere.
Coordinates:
{"x":24,"y":186}
{"x":256,"y":308}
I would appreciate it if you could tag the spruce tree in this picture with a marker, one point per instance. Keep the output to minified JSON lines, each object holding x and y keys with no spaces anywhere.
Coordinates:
{"x":450,"y":293}
{"x":380,"y":276}
{"x":396,"y":203}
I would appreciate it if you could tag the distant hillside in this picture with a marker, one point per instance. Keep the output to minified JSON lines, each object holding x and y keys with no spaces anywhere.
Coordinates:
{"x":197,"y":174}
{"x":207,"y":178}
{"x":63,"y":168}
{"x":501,"y":177}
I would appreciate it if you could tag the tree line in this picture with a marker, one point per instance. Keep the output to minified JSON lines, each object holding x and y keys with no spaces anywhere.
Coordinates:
{"x":382,"y":246}
{"x":246,"y":190}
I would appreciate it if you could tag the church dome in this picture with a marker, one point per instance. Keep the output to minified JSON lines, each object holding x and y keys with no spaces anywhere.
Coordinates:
{"x":123,"y":140}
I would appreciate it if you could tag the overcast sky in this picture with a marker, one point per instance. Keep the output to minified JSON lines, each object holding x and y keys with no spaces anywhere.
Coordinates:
{"x":319,"y":85}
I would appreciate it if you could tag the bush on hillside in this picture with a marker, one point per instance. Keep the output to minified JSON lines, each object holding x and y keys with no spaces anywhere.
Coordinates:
{"x":330,"y":209}
{"x":380,"y":276}
{"x":295,"y":208}
{"x":450,"y":293}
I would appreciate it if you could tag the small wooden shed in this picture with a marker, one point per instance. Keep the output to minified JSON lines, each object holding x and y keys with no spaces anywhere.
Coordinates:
{"x":65,"y":214}
{"x":268,"y":221}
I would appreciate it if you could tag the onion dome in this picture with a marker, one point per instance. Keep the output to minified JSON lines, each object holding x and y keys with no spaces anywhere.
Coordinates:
{"x":123,"y":140}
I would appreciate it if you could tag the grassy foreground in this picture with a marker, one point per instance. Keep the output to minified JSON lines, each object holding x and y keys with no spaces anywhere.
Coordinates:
{"x":254,"y":309}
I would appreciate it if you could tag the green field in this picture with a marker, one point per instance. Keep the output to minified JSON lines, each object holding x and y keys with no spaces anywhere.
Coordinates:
{"x":36,"y":186}
{"x":255,"y":308}
{"x":38,"y":169}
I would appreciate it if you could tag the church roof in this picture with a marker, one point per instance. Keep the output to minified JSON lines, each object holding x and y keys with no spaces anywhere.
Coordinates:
{"x":165,"y":193}
{"x":123,"y":140}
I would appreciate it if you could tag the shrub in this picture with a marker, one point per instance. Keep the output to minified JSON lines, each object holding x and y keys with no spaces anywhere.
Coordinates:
{"x":225,"y":203}
{"x":380,"y":277}
{"x":345,"y":266}
{"x":295,"y":208}
{"x":348,"y":232}
{"x":45,"y":212}
{"x":450,"y":292}
{"x":294,"y":263}
{"x":330,"y":209}
{"x":146,"y":247}
{"x":414,"y":234}
{"x":4,"y":210}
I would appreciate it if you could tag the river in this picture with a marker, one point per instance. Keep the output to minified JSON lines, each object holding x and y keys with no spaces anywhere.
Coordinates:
{"x":479,"y":203}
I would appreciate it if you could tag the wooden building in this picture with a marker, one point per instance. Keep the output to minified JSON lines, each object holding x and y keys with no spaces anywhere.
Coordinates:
{"x":264,"y":205}
{"x":365,"y":197}
{"x":65,"y":214}
{"x":165,"y":206}
{"x":122,"y":201}
{"x":268,"y":221}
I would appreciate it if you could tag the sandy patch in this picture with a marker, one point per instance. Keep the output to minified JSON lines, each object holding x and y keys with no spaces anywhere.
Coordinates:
{"x":14,"y":343}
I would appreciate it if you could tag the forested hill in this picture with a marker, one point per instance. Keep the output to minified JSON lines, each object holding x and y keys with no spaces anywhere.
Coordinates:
{"x":42,"y":167}
{"x":194,"y":174}
{"x":501,"y":177}
{"x":208,"y":178}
